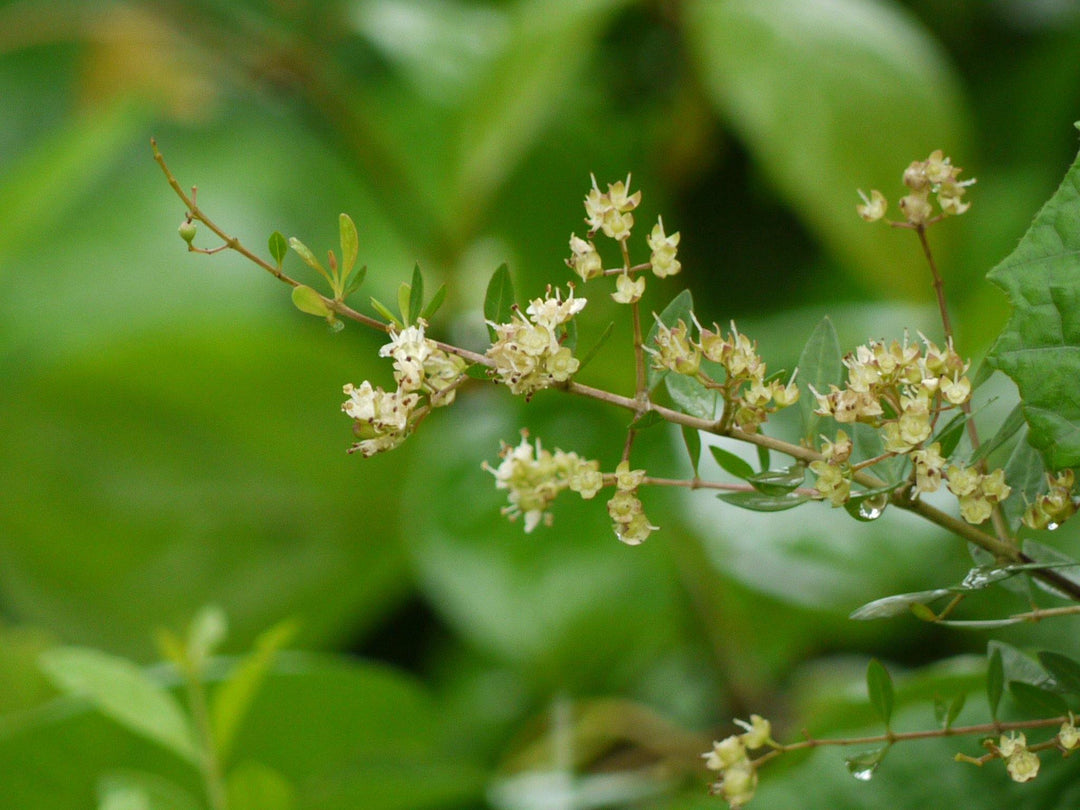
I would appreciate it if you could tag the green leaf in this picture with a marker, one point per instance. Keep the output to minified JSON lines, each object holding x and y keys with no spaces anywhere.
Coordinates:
{"x":404,"y":300}
{"x":350,"y":245}
{"x":879,"y":687}
{"x":205,"y":634}
{"x":779,"y":482}
{"x":138,"y":790}
{"x":763,"y":456}
{"x":305,"y":253}
{"x":760,"y":502}
{"x":307,"y":300}
{"x":122,"y":691}
{"x":1039,"y":347}
{"x":819,"y":366}
{"x":278,"y":247}
{"x":731,"y":463}
{"x":692,"y":441}
{"x":1037,"y":701}
{"x":995,"y":680}
{"x":416,"y":294}
{"x":384,"y":310}
{"x":1025,"y":472}
{"x":646,"y":420}
{"x":478,"y":371}
{"x":678,"y":309}
{"x":232,"y":699}
{"x":589,"y":355}
{"x":864,"y":60}
{"x":540,"y":48}
{"x":950,"y":435}
{"x":890,"y":606}
{"x":691,"y":397}
{"x":499,"y":298}
{"x":1064,"y":670}
{"x":354,"y":285}
{"x":432,"y":306}
{"x":252,"y":786}
{"x":955,"y":707}
{"x":1048,"y":557}
{"x":923,"y":612}
{"x":1013,"y":422}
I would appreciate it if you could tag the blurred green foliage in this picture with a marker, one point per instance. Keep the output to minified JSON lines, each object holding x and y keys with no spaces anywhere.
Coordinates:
{"x":171,"y":435}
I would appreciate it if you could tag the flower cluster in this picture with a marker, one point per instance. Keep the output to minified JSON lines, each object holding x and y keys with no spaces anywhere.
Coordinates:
{"x":535,"y":476}
{"x":978,"y":493}
{"x":731,"y":759}
{"x":384,"y":419}
{"x":833,"y":471}
{"x":630,"y":523}
{"x":1021,"y":763}
{"x":934,"y":176}
{"x":902,"y":389}
{"x":527,"y":351}
{"x":748,"y":395}
{"x":611,"y":213}
{"x":421,"y":366}
{"x":1055,"y":506}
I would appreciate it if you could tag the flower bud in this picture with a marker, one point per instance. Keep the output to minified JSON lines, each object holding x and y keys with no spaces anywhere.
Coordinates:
{"x":187,"y":230}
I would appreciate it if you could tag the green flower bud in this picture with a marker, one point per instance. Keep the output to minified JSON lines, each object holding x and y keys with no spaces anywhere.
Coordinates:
{"x":187,"y":230}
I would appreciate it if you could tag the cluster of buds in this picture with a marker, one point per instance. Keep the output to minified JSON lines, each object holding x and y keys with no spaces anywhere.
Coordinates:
{"x":730,"y":757}
{"x":527,"y":351}
{"x":934,"y":176}
{"x":630,"y":525}
{"x":902,"y":388}
{"x":534,"y":477}
{"x":421,"y":366}
{"x":384,"y":419}
{"x":1020,"y":761}
{"x":833,"y":470}
{"x":978,"y":493}
{"x":1055,"y":506}
{"x":748,"y":396}
{"x":611,"y":213}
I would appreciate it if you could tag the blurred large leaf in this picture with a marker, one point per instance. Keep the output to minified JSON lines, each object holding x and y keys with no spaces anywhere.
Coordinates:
{"x":830,"y":96}
{"x":1040,"y":346}
{"x":124,"y":692}
{"x":549,"y":44}
{"x":340,"y":734}
{"x":195,"y":468}
{"x":568,"y":603}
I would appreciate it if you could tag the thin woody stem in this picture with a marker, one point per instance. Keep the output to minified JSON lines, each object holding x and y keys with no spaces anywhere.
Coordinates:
{"x":997,"y":519}
{"x":901,"y":736}
{"x":1002,"y":549}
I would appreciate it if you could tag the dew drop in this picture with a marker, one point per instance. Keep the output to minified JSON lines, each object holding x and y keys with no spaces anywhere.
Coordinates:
{"x":864,"y":774}
{"x":873,"y":508}
{"x":1051,"y":526}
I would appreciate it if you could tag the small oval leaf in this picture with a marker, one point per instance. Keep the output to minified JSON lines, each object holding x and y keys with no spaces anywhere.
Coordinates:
{"x":995,"y":680}
{"x":120,"y":690}
{"x":890,"y":606}
{"x":760,"y":502}
{"x":278,"y":247}
{"x":499,"y":297}
{"x":307,"y":300}
{"x":731,"y":463}
{"x":879,"y":687}
{"x":1037,"y":701}
{"x":350,"y":245}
